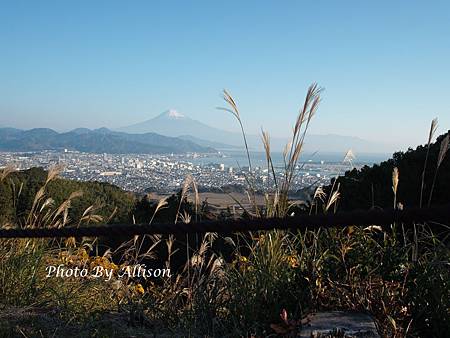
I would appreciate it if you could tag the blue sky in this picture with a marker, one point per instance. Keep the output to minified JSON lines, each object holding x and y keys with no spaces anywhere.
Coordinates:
{"x":384,"y":64}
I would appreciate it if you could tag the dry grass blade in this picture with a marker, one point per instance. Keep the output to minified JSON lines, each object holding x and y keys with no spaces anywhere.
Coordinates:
{"x":443,"y":150}
{"x":229,"y":99}
{"x":75,"y":194}
{"x":161,"y":204}
{"x":188,"y":181}
{"x":90,"y":216}
{"x":9,"y":169}
{"x":66,"y":204}
{"x":48,"y":203}
{"x":266,"y":142}
{"x":310,"y":105}
{"x":349,"y":157}
{"x":87,"y":211}
{"x":185,"y":217}
{"x":270,"y":167}
{"x":305,"y":115}
{"x":37,"y":198}
{"x":286,"y":152}
{"x":111,"y":216}
{"x":292,"y":152}
{"x":333,"y":199}
{"x":319,"y":193}
{"x":186,"y":184}
{"x":235,"y":111}
{"x":53,"y":172}
{"x":433,"y":128}
{"x":395,"y":179}
{"x":442,"y":153}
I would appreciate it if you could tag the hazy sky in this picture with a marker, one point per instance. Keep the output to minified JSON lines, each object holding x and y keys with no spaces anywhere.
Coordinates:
{"x":385,"y":66}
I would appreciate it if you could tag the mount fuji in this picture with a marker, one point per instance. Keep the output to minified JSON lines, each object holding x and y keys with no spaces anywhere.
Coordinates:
{"x":175,"y":124}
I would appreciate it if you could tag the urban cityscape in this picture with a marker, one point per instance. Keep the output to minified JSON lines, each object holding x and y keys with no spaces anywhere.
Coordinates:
{"x":163,"y":174}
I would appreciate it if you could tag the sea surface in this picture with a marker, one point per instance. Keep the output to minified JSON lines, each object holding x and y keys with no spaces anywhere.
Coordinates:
{"x":238,"y":158}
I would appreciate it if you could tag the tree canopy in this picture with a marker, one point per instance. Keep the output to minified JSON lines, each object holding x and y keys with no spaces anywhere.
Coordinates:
{"x":372,"y":186}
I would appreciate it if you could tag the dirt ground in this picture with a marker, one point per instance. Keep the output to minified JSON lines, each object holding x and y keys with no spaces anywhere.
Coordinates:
{"x":220,"y":201}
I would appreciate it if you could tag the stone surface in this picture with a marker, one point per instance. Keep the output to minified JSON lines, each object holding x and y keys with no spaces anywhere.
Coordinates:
{"x":339,"y":324}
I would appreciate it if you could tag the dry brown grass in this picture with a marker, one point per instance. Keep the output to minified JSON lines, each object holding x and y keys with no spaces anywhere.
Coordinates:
{"x":431,"y":133}
{"x":444,"y":147}
{"x":395,"y":180}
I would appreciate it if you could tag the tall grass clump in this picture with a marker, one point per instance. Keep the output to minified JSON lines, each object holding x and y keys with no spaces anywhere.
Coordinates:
{"x":401,"y":281}
{"x":27,"y":296}
{"x":262,"y":279}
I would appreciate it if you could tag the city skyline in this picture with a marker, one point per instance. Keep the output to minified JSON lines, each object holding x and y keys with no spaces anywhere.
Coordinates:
{"x":384,"y":72}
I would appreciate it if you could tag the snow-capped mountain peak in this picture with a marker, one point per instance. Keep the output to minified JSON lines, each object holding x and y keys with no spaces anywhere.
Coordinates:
{"x":174,"y":114}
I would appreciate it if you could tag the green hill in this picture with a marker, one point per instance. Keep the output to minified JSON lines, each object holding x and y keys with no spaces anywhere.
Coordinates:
{"x":27,"y":183}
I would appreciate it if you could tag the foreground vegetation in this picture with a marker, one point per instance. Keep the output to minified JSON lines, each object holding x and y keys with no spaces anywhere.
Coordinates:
{"x":234,"y":285}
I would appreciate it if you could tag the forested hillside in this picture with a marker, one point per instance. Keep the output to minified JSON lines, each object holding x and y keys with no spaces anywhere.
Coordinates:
{"x":372,"y":186}
{"x":19,"y":189}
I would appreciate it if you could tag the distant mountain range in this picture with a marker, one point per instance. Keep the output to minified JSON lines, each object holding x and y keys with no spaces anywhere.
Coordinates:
{"x":175,"y":124}
{"x":95,"y":141}
{"x":169,"y":132}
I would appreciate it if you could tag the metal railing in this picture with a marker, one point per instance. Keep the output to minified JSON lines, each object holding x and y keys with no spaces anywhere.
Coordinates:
{"x":435,"y":216}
